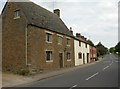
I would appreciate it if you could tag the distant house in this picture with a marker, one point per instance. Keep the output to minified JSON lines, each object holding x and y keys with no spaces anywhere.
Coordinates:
{"x":35,"y":38}
{"x":93,"y":53}
{"x":81,"y":49}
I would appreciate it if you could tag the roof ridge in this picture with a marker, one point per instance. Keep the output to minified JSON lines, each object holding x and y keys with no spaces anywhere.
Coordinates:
{"x":43,"y":18}
{"x":19,"y":1}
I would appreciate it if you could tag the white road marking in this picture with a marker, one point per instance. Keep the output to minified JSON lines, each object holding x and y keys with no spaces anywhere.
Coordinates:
{"x":92,"y":76}
{"x":105,"y":67}
{"x":116,"y":61}
{"x":73,"y":86}
{"x":111,"y":63}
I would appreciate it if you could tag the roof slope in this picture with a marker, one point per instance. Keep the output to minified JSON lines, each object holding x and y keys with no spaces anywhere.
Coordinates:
{"x":43,"y":18}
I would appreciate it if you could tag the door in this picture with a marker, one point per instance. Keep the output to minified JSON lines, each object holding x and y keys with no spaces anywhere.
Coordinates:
{"x":61,"y":60}
{"x":87,"y":57}
{"x":83,"y":58}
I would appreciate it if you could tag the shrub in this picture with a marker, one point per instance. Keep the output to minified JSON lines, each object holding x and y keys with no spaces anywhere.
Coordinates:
{"x":23,"y":72}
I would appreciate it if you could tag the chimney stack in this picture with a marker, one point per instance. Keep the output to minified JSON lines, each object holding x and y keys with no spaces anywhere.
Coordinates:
{"x":57,"y":12}
{"x":78,"y":35}
{"x":82,"y":37}
{"x":85,"y":39}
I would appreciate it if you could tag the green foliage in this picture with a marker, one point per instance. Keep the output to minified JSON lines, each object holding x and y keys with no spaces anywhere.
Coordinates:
{"x":117,"y":48}
{"x":119,"y":55}
{"x":22,"y":72}
{"x":112,"y":50}
{"x":90,"y":42}
{"x":101,"y":49}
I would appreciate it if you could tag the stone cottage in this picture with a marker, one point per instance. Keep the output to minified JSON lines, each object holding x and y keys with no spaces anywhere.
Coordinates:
{"x":35,"y":38}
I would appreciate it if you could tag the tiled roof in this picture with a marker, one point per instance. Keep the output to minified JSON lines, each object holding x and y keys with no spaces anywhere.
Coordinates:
{"x":38,"y":16}
{"x":80,"y":39}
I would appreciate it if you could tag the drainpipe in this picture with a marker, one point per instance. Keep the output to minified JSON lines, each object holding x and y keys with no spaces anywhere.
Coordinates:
{"x":26,"y":46}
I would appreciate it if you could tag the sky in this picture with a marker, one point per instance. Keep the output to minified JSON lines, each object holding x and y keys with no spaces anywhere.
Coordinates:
{"x":95,"y":19}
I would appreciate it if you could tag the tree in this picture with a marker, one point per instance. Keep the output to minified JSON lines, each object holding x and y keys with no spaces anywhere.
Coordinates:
{"x":117,"y":48}
{"x":112,"y":50}
{"x":101,"y":49}
{"x":90,"y":42}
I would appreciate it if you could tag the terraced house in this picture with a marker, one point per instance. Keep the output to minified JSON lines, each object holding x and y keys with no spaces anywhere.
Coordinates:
{"x":35,"y":38}
{"x":81,"y":49}
{"x":93,"y":53}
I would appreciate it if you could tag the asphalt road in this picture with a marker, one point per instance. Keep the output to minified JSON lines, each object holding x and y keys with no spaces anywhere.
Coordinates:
{"x":101,"y":74}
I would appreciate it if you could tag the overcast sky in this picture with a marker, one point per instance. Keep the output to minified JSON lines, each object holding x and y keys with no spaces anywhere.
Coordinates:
{"x":95,"y":19}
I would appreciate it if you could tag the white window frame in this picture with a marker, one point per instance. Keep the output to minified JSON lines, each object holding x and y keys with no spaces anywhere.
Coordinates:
{"x":67,"y":56}
{"x":80,"y":43}
{"x":17,"y":14}
{"x":51,"y":58}
{"x":86,"y":46}
{"x":79,"y":56}
{"x":68,"y":43}
{"x":60,"y":40}
{"x":46,"y":34}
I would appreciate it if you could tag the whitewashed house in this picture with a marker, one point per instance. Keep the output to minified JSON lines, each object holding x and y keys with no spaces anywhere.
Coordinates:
{"x":81,"y":49}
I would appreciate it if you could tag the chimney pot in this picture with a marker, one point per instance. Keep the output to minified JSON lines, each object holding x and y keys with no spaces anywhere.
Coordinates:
{"x":78,"y":35}
{"x":82,"y":37}
{"x":85,"y":39}
{"x":71,"y":30}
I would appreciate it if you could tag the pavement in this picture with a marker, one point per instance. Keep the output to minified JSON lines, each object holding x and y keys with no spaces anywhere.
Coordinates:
{"x":11,"y":80}
{"x":0,"y":77}
{"x":0,"y":42}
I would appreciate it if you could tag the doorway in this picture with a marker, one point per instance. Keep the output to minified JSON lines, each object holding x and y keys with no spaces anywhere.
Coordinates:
{"x":87,"y":57}
{"x":61,"y":60}
{"x":83,"y":58}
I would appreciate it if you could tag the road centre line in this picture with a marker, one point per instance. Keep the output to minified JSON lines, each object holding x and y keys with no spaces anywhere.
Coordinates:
{"x":111,"y":63}
{"x":92,"y":76}
{"x":73,"y":86}
{"x":106,"y":67}
{"x":116,"y":61}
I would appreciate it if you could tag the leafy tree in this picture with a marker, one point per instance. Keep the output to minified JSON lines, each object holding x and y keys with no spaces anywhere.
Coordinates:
{"x":101,"y":49}
{"x":90,"y":42}
{"x":117,"y":48}
{"x":112,"y":50}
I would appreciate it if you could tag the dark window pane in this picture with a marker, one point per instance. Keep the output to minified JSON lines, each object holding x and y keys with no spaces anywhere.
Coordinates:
{"x":48,"y":55}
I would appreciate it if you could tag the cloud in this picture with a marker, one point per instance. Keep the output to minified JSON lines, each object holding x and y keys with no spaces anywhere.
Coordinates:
{"x":2,"y":3}
{"x":96,"y":19}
